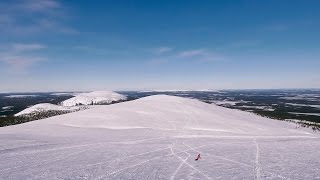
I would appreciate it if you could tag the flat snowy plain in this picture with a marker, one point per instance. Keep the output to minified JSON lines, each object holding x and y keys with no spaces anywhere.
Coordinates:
{"x":158,"y":137}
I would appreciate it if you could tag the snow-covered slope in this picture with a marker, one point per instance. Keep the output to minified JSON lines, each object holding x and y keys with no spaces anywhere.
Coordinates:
{"x":96,"y":97}
{"x":43,"y":107}
{"x":158,"y":137}
{"x":171,"y":113}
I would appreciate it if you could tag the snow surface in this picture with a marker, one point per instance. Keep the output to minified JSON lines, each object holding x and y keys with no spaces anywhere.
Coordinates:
{"x":96,"y":97}
{"x":46,"y":107}
{"x":158,"y":137}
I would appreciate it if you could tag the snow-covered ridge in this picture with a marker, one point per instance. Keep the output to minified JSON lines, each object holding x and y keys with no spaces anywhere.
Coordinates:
{"x":170,"y":113}
{"x":65,"y":94}
{"x":96,"y":97}
{"x":21,"y":96}
{"x":79,"y":102}
{"x":182,"y":90}
{"x":44,"y":107}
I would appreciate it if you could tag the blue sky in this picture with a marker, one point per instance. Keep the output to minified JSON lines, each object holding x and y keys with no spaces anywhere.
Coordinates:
{"x":51,"y":45}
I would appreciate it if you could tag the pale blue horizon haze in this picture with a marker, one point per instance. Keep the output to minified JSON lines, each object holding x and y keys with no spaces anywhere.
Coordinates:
{"x":52,"y":45}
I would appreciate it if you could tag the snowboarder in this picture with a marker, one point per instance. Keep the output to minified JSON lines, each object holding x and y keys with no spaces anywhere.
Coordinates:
{"x":198,"y":157}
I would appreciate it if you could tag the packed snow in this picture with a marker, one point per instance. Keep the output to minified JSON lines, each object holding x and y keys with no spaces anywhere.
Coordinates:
{"x":159,"y":137}
{"x":96,"y":97}
{"x":43,"y":107}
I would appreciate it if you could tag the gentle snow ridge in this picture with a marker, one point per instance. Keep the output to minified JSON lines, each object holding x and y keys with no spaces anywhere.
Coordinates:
{"x":169,"y":113}
{"x":96,"y":97}
{"x":65,"y":94}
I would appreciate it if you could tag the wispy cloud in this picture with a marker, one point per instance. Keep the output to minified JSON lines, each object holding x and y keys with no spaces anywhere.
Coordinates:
{"x":20,"y":62}
{"x":42,"y":16}
{"x":17,"y":55}
{"x":277,"y":27}
{"x":244,"y":44}
{"x":185,"y":56}
{"x":19,"y":47}
{"x":194,"y":52}
{"x":161,"y":50}
{"x":40,"y":5}
{"x":201,"y":55}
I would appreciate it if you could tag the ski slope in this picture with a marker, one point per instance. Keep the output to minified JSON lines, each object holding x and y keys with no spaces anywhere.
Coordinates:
{"x":158,"y":137}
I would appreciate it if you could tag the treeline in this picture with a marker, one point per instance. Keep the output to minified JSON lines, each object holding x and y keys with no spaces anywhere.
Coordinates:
{"x":307,"y":121}
{"x":12,"y":120}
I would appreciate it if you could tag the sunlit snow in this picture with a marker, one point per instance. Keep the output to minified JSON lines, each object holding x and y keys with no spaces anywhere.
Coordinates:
{"x":158,"y":137}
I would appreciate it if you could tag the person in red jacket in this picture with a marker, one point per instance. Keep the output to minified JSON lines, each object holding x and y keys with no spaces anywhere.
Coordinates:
{"x":198,"y":157}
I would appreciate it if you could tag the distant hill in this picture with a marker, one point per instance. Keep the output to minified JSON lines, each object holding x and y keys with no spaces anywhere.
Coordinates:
{"x":94,"y":98}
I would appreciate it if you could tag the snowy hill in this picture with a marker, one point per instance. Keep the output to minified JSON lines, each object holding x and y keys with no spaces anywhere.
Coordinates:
{"x":44,"y":107}
{"x":158,"y":137}
{"x":96,"y":97}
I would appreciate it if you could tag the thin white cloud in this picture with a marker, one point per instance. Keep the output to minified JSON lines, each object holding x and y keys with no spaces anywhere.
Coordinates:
{"x":244,"y":44}
{"x":193,"y":55}
{"x":19,"y":47}
{"x":20,"y":62}
{"x":277,"y":27}
{"x":194,"y":52}
{"x":40,"y":5}
{"x":43,"y":16}
{"x":161,"y":50}
{"x":17,"y":55}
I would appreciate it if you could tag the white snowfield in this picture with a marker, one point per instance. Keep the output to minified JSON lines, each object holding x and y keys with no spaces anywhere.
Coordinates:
{"x":158,"y":137}
{"x":96,"y":97}
{"x":43,"y":107}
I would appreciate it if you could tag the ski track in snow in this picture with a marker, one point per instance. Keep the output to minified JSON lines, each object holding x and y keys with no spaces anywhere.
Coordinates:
{"x":257,"y":164}
{"x":47,"y":161}
{"x":257,"y":170}
{"x":135,"y":165}
{"x":183,"y":161}
{"x":180,"y":165}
